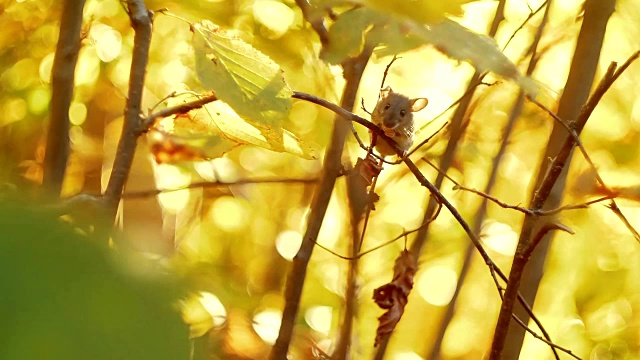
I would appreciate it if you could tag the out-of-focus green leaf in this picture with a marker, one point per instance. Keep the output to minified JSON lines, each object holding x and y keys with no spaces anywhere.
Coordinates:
{"x":243,"y":77}
{"x":458,"y":42}
{"x":346,"y":35}
{"x":391,"y":38}
{"x":63,"y":298}
{"x":393,"y":35}
{"x":421,"y":11}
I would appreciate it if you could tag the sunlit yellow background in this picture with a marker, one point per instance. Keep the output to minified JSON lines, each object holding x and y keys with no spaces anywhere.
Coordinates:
{"x":235,"y":243}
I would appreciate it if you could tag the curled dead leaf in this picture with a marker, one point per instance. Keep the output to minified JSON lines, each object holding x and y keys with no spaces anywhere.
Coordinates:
{"x":170,"y":149}
{"x":394,"y":296}
{"x":368,"y":168}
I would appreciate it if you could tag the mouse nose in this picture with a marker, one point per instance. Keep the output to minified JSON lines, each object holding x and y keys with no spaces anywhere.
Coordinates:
{"x":389,"y":123}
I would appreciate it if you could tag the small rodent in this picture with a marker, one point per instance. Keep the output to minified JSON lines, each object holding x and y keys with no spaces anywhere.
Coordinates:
{"x":394,"y":115}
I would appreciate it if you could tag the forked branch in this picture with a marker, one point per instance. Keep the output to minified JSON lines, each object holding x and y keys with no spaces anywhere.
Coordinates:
{"x":439,"y":198}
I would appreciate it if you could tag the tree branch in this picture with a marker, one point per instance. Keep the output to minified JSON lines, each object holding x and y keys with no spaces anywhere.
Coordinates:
{"x":592,"y":32}
{"x":440,"y":199}
{"x":456,"y":130}
{"x":527,"y":211}
{"x":141,"y":21}
{"x":316,"y":24}
{"x":353,"y":69}
{"x":150,"y":120}
{"x":62,"y":84}
{"x":216,"y":184}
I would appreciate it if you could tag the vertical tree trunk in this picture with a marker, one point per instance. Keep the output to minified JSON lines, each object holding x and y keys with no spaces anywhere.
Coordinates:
{"x":353,"y":70}
{"x":62,"y":83}
{"x":576,"y":93}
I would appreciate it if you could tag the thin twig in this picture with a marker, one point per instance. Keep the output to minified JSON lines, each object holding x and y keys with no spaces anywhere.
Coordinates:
{"x":62,"y":85}
{"x":522,"y":25}
{"x":532,"y":212}
{"x":404,"y":234}
{"x":546,"y":228}
{"x":216,"y":184}
{"x":150,"y":120}
{"x":551,"y":344}
{"x":468,"y":92}
{"x":386,"y":72}
{"x":171,"y":95}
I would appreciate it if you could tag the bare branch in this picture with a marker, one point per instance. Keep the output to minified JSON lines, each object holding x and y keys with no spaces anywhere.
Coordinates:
{"x":494,"y":270}
{"x":316,"y":24}
{"x":340,"y":111}
{"x":529,"y":17}
{"x":613,"y":205}
{"x":141,"y":22}
{"x":546,"y":228}
{"x":532,"y":212}
{"x":150,"y":120}
{"x":353,"y":70}
{"x":599,"y":13}
{"x":216,"y":184}
{"x":404,"y":234}
{"x":386,"y":72}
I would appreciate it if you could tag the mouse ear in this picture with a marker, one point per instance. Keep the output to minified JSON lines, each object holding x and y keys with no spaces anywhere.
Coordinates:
{"x":386,"y":92}
{"x":418,"y":104}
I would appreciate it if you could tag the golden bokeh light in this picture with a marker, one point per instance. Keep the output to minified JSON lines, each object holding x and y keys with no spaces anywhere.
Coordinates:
{"x":288,"y":243}
{"x":319,"y":318}
{"x":267,"y":324}
{"x":436,"y":284}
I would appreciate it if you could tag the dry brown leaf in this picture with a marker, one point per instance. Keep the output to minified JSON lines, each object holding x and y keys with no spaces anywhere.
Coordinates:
{"x":368,"y":168}
{"x":171,"y":149}
{"x":394,"y":296}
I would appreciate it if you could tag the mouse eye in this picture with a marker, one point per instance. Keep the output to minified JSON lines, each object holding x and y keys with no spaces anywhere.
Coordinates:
{"x":386,"y":107}
{"x":402,"y":113}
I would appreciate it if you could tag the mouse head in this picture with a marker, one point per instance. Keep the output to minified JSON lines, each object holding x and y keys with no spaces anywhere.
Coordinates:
{"x":395,"y":109}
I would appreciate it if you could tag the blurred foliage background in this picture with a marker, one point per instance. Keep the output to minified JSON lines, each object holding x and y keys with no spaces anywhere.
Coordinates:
{"x":232,"y":243}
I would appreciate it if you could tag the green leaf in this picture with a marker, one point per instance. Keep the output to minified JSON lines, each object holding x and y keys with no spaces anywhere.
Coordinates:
{"x":458,"y":42}
{"x":346,"y":35}
{"x":210,"y":134}
{"x":395,"y":34}
{"x":236,"y":129}
{"x":243,"y":77}
{"x":392,"y":39}
{"x":253,"y":87}
{"x":421,"y":11}
{"x":66,"y":297}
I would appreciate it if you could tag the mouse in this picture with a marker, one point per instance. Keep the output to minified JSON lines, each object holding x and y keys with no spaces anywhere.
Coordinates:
{"x":394,"y":115}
